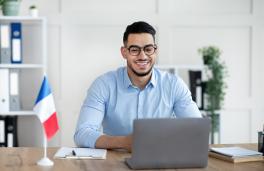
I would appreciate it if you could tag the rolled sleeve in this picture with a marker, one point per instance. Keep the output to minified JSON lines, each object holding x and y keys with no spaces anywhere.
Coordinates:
{"x":92,"y":112}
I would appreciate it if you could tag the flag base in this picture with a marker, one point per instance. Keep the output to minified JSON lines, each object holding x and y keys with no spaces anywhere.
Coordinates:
{"x":45,"y":162}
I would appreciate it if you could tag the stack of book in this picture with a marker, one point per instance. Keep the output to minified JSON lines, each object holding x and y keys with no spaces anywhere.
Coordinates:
{"x":235,"y":154}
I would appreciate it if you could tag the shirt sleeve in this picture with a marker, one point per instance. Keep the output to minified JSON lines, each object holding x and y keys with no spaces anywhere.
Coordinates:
{"x":92,"y":112}
{"x":183,"y":105}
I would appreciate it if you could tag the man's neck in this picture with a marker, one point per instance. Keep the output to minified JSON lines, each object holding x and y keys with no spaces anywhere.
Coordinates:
{"x":138,"y":81}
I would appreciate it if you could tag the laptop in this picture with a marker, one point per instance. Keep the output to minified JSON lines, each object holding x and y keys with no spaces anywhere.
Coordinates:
{"x":170,"y":143}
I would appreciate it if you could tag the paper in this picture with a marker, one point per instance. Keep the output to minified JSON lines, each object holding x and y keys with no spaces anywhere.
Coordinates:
{"x":80,"y":153}
{"x":235,"y":151}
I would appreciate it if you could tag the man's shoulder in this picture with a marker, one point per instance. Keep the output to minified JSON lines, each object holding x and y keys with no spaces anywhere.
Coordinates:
{"x":110,"y":76}
{"x":166,"y":76}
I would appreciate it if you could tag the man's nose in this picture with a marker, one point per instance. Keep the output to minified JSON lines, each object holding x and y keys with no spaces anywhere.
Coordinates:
{"x":142,"y":54}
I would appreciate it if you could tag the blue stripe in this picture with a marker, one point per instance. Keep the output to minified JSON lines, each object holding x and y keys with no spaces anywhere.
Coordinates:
{"x":44,"y":90}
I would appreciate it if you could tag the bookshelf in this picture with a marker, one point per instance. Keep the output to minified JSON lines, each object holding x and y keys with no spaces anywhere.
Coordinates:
{"x":33,"y":64}
{"x":30,"y":71}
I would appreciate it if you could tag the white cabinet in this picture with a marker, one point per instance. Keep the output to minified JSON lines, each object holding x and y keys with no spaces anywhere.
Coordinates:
{"x":33,"y":65}
{"x":30,"y":75}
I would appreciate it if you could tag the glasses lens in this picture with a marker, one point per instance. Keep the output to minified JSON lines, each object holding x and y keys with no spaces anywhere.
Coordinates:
{"x":134,"y":50}
{"x":149,"y":50}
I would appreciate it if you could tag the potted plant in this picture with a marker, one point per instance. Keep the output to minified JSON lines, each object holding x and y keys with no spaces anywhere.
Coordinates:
{"x":10,"y":7}
{"x":215,"y":85}
{"x":33,"y":11}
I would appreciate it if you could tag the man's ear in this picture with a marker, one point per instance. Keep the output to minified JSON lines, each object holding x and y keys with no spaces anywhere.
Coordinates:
{"x":123,"y":52}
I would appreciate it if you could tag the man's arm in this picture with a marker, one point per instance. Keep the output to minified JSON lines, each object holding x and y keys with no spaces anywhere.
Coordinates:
{"x":114,"y":142}
{"x":184,"y":106}
{"x":92,"y":113}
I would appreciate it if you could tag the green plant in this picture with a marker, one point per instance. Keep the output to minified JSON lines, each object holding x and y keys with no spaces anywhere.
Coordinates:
{"x":3,"y":1}
{"x":215,"y":86}
{"x":33,"y":7}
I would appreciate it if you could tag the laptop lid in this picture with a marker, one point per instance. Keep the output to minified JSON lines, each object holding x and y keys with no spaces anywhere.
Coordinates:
{"x":170,"y":143}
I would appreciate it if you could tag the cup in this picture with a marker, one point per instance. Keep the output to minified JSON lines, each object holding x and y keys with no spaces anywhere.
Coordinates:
{"x":261,"y":142}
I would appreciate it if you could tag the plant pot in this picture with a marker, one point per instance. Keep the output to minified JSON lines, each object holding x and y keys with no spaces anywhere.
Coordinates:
{"x":215,"y":128}
{"x":11,"y":8}
{"x":33,"y":12}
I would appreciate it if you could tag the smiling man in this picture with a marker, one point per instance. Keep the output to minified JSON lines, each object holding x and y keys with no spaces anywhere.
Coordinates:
{"x":139,"y":90}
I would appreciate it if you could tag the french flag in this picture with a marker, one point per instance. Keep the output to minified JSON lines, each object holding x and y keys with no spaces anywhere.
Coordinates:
{"x":45,"y":110}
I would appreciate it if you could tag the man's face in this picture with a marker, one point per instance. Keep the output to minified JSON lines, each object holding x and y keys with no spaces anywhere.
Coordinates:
{"x":140,"y":53}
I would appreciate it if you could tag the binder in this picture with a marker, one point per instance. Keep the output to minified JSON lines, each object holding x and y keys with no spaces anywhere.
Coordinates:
{"x":2,"y":131}
{"x":11,"y":131}
{"x":5,"y":51}
{"x":196,"y":88}
{"x":14,"y":90}
{"x":4,"y":91}
{"x":16,"y":43}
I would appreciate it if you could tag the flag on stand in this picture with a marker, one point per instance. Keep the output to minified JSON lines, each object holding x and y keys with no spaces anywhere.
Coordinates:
{"x":45,"y":110}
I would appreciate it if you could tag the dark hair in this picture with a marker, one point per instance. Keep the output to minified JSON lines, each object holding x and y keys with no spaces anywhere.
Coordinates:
{"x":139,"y":27}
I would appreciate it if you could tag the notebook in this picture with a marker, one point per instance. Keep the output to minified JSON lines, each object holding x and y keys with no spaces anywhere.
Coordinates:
{"x":235,"y":154}
{"x":235,"y":151}
{"x":170,"y":143}
{"x":80,"y":153}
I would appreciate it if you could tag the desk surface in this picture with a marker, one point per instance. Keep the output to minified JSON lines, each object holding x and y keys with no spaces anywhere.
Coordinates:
{"x":25,"y":159}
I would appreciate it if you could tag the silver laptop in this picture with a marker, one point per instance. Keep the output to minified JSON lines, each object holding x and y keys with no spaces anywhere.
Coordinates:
{"x":170,"y":143}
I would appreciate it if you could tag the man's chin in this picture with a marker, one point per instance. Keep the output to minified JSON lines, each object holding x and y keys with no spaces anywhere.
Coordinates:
{"x":141,"y":73}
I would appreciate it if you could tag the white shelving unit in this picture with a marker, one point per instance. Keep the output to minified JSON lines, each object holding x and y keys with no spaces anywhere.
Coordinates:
{"x":33,"y":65}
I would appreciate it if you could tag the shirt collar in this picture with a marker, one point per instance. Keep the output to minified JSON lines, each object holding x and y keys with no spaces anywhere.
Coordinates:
{"x":127,"y":81}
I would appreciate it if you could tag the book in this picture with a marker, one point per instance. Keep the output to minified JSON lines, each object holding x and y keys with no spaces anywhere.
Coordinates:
{"x":80,"y":153}
{"x":235,"y":154}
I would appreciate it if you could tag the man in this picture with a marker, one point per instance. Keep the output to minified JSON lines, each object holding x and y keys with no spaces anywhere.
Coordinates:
{"x":118,"y":97}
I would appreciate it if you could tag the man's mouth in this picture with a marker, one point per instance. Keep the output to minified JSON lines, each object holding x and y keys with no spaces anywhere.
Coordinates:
{"x":142,"y":63}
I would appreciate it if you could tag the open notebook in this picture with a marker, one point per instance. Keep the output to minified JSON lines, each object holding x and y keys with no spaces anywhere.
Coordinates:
{"x":80,"y":153}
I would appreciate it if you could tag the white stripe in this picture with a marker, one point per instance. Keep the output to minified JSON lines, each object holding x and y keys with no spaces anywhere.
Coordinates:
{"x":45,"y":108}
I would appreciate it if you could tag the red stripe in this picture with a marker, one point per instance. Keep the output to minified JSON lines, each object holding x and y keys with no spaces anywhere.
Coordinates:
{"x":51,"y":126}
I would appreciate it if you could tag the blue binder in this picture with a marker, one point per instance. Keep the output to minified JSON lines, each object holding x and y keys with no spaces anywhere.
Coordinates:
{"x":16,"y":43}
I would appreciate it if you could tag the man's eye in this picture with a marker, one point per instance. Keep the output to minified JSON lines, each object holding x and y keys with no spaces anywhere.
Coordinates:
{"x":149,"y":49}
{"x":134,"y":50}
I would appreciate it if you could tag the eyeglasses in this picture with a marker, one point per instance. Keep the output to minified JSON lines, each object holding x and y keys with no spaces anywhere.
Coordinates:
{"x":135,"y":50}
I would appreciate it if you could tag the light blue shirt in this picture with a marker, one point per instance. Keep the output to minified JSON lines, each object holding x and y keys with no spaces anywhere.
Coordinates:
{"x":114,"y":102}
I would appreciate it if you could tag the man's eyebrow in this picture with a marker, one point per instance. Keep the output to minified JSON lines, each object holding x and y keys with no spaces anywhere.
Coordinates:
{"x":142,"y":46}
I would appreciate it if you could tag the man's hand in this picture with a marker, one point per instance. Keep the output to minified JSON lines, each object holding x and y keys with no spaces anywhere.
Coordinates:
{"x":128,"y":143}
{"x":114,"y":142}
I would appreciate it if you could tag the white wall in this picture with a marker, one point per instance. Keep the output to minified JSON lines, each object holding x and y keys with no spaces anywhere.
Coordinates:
{"x":85,"y":37}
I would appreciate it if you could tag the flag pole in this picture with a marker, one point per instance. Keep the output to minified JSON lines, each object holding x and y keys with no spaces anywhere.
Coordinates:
{"x":45,"y":161}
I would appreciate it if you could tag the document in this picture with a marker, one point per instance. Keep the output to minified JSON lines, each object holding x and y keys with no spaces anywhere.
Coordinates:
{"x":80,"y":153}
{"x":236,"y":152}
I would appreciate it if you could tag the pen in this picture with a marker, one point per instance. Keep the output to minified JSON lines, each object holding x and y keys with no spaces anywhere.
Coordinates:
{"x":73,"y":153}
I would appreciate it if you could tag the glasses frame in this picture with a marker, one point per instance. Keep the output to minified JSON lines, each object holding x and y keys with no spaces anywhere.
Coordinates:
{"x":142,"y":48}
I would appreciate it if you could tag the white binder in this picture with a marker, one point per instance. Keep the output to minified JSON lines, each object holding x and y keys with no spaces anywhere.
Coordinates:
{"x":5,"y":43}
{"x":14,"y":90}
{"x":10,"y":140}
{"x":4,"y":91}
{"x":2,"y":131}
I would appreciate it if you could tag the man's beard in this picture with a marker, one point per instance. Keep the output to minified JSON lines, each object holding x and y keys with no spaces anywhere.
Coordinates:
{"x":140,"y":74}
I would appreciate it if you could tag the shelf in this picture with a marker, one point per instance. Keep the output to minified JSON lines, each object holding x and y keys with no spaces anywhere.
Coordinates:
{"x":177,"y":67}
{"x":26,"y":66}
{"x":21,"y":18}
{"x":19,"y":113}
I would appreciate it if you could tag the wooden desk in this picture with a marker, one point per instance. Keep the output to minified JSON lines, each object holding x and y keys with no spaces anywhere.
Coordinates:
{"x":24,"y":159}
